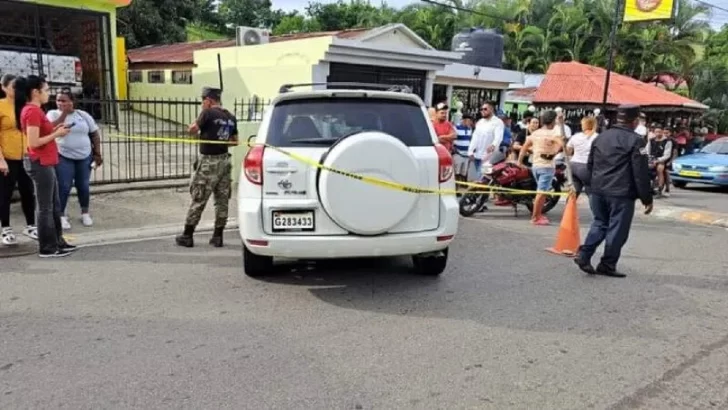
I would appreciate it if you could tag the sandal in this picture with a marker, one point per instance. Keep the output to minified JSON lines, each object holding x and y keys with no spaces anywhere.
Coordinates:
{"x":31,"y":231}
{"x":7,"y":237}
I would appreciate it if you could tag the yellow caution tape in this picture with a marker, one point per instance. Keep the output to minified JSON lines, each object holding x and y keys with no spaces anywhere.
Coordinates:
{"x":483,"y":189}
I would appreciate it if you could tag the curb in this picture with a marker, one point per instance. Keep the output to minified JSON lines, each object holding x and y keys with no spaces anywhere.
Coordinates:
{"x":682,"y":214}
{"x":692,"y":216}
{"x":22,"y":249}
{"x":138,"y":234}
{"x":115,"y":236}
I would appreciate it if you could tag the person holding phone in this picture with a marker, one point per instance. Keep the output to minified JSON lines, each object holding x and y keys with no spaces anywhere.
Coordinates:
{"x":77,"y":152}
{"x":12,"y":173}
{"x":40,"y":162}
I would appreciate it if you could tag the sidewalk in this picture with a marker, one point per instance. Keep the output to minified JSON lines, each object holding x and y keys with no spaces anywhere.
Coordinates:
{"x":121,"y":216}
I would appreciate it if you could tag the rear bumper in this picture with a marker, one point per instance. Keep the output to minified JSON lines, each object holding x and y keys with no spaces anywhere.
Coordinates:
{"x":712,"y":178}
{"x":344,"y":246}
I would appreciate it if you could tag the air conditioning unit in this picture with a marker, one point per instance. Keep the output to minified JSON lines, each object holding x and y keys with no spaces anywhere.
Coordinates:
{"x":249,"y":36}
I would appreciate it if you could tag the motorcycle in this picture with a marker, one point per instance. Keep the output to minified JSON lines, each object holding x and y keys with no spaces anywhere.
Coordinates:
{"x":502,"y":174}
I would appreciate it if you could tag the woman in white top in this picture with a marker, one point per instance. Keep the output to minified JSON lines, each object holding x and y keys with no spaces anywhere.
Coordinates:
{"x":79,"y":152}
{"x":578,"y":149}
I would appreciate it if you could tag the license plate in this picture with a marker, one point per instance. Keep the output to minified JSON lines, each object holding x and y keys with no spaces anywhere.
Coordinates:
{"x":694,"y":174}
{"x":293,"y":221}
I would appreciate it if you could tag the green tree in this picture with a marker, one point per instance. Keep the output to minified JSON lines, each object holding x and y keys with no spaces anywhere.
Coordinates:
{"x":147,"y":22}
{"x":251,"y":13}
{"x":296,"y":23}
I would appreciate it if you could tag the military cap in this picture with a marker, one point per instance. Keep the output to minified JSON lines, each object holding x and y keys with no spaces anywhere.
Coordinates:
{"x":628,"y":112}
{"x":211,"y":92}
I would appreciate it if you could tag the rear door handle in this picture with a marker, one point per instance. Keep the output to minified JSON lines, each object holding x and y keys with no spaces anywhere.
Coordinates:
{"x":281,"y":170}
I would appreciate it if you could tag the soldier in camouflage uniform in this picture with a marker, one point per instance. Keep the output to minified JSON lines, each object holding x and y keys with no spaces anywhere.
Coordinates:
{"x":212,"y":174}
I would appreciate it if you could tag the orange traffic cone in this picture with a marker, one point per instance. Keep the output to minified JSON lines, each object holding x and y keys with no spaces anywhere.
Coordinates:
{"x":568,"y":238}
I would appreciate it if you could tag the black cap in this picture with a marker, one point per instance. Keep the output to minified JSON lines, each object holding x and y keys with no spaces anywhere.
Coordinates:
{"x":210,"y":92}
{"x":628,"y":112}
{"x":441,"y":106}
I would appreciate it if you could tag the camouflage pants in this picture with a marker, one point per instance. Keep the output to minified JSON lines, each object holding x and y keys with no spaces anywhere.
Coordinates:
{"x":212,"y":176}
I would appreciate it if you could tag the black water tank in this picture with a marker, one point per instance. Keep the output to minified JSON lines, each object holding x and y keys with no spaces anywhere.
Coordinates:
{"x":481,"y":47}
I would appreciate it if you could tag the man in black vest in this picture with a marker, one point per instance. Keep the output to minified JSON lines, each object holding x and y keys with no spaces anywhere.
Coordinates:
{"x":619,"y":175}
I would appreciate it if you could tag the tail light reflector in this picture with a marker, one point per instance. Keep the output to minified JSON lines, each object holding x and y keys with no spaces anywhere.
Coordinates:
{"x":253,"y":165}
{"x":445,"y":160}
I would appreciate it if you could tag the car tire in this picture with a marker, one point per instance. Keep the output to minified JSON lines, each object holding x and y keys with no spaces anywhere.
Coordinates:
{"x":430,"y":265}
{"x":256,"y":265}
{"x":679,"y":184}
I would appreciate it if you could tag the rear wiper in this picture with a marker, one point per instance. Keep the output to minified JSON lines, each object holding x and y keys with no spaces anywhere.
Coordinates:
{"x":327,"y":141}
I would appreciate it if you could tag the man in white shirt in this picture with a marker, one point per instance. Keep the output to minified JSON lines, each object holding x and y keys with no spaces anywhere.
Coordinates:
{"x":487,"y":136}
{"x":641,"y":127}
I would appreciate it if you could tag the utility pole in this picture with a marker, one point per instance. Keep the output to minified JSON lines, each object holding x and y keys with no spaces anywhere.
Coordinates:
{"x":612,"y":40}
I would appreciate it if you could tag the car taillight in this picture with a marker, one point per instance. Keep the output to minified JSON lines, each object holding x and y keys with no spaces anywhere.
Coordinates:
{"x":79,"y":71}
{"x":445,"y":163}
{"x":253,"y":165}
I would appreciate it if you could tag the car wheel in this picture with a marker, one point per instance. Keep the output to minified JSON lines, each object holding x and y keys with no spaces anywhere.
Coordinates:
{"x":679,"y":184}
{"x":256,"y":265}
{"x":430,"y":265}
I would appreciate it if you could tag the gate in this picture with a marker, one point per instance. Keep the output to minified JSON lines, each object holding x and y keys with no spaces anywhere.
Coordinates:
{"x":474,"y":98}
{"x":356,"y":73}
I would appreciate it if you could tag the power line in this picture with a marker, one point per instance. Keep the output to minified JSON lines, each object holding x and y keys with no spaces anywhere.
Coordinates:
{"x":467,"y":10}
{"x":711,"y":5}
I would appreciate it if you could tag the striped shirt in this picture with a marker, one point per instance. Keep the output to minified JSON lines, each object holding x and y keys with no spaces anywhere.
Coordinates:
{"x":462,"y":141}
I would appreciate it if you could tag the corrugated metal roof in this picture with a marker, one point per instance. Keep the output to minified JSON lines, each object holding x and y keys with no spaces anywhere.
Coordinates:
{"x":578,"y":83}
{"x":182,"y":53}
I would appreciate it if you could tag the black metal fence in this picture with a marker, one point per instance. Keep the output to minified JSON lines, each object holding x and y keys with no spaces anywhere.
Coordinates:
{"x":148,"y":139}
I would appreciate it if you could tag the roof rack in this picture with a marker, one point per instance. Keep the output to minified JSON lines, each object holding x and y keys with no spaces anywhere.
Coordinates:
{"x":385,"y":87}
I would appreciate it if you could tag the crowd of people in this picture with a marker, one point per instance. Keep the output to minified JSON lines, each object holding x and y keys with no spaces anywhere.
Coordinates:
{"x":43,"y":155}
{"x":613,"y":170}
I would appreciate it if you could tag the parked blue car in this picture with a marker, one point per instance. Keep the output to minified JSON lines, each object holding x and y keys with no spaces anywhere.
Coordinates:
{"x":707,"y":166}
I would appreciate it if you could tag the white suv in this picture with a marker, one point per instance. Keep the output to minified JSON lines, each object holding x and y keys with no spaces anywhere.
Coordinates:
{"x":290,"y":209}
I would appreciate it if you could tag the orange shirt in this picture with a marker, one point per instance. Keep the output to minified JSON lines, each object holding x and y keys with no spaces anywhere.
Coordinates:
{"x":12,"y":141}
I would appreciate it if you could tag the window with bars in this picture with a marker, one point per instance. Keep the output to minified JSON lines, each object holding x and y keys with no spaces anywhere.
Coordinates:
{"x":182,"y":77}
{"x":135,"y":76}
{"x":155,"y":77}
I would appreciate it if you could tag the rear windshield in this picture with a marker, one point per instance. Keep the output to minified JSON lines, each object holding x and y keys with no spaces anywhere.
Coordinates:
{"x":322,"y":121}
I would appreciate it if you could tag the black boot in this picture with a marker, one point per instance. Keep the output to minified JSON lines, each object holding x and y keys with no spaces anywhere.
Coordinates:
{"x":185,"y":240}
{"x":216,"y":239}
{"x":609,"y":271}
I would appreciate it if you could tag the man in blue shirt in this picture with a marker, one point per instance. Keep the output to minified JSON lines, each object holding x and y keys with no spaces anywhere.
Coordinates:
{"x":462,"y":164}
{"x":507,"y":134}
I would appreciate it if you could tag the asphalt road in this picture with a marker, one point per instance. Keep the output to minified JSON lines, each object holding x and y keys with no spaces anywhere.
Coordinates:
{"x":148,"y":325}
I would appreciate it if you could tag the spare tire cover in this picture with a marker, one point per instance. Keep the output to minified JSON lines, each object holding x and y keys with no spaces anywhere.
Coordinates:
{"x":360,"y":207}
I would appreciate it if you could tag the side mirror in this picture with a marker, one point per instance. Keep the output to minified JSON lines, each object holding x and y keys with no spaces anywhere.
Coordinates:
{"x":251,"y":140}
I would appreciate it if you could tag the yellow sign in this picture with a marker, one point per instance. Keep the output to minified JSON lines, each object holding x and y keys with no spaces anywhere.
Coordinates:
{"x":648,"y":10}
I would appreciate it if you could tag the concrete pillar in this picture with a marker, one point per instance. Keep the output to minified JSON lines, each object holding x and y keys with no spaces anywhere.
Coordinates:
{"x":429,"y":84}
{"x":319,"y":74}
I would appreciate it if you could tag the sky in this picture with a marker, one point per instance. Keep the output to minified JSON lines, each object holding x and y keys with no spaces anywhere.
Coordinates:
{"x":719,"y":17}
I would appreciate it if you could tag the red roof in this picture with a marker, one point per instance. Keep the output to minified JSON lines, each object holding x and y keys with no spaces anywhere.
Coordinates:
{"x":576,"y":83}
{"x":183,"y":53}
